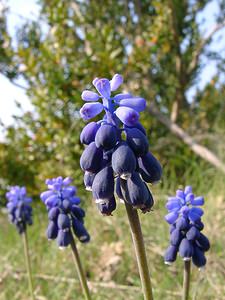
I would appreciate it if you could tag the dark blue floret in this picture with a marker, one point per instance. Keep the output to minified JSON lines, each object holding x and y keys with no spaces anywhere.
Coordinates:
{"x":107,"y":208}
{"x":137,"y":141}
{"x":52,"y":230}
{"x":106,"y":137}
{"x":88,"y":133}
{"x":198,"y":257}
{"x":63,"y":238}
{"x":91,"y":158}
{"x":80,"y":231}
{"x":150,"y":168}
{"x":186,"y":249}
{"x":123,"y":160}
{"x":176,"y":237}
{"x":170,"y":254}
{"x":103,"y":185}
{"x":203,"y":242}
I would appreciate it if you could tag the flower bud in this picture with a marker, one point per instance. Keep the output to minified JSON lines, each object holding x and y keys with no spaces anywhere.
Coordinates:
{"x":116,"y":81}
{"x":203,"y":242}
{"x":137,"y":103}
{"x":127,"y":115}
{"x":175,"y":237}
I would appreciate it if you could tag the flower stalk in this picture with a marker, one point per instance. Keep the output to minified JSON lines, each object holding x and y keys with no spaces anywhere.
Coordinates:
{"x":139,"y":248}
{"x":27,"y":259}
{"x":186,"y":279}
{"x":78,"y":265}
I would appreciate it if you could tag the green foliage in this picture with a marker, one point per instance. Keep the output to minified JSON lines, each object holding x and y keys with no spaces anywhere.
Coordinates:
{"x":156,"y":45}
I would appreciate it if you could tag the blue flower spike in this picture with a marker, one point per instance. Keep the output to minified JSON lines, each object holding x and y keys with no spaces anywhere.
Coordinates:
{"x":19,"y":209}
{"x":111,"y":156}
{"x":64,"y":212}
{"x":184,"y":216}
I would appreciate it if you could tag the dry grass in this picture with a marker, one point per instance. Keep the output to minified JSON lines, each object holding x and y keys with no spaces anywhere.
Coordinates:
{"x":109,"y":258}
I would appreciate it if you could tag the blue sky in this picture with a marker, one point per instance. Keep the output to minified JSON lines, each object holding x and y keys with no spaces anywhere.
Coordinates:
{"x":21,"y":9}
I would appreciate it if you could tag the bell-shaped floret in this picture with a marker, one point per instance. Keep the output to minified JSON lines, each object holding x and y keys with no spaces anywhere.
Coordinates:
{"x":64,"y":238}
{"x":106,"y":137}
{"x":171,"y":217}
{"x":193,"y":233}
{"x":78,"y":212}
{"x":136,"y":192}
{"x":91,"y":110}
{"x":88,"y":180}
{"x":106,"y":209}
{"x":103,"y":87}
{"x":198,"y":257}
{"x":63,"y":221}
{"x":91,"y":158}
{"x":176,"y":237}
{"x":52,"y":230}
{"x":137,"y":141}
{"x":128,"y":116}
{"x":182,"y":223}
{"x":123,"y":160}
{"x":103,"y":185}
{"x":203,"y":242}
{"x":150,"y":168}
{"x":80,"y":231}
{"x":137,"y":103}
{"x":170,"y":254}
{"x":88,"y":133}
{"x":186,"y":249}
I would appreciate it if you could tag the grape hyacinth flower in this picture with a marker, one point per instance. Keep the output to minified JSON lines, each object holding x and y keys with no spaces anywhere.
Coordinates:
{"x":64,"y":212}
{"x":117,"y":158}
{"x":117,"y":148}
{"x":186,"y":237}
{"x":19,"y":209}
{"x":65,"y":215}
{"x":20,"y":214}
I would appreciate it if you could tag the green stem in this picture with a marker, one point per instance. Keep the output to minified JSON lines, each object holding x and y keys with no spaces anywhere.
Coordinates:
{"x":77,"y":262}
{"x":186,"y":279}
{"x":139,"y":247}
{"x":27,"y":259}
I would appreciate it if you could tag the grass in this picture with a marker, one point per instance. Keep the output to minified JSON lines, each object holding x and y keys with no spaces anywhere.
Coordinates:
{"x":109,"y":258}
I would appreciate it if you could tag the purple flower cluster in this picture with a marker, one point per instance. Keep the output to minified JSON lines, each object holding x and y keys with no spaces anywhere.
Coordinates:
{"x":64,"y":212}
{"x":116,"y":150}
{"x":19,"y":209}
{"x":186,"y":225}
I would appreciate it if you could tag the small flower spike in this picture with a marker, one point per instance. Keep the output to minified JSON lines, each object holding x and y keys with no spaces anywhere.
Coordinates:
{"x":64,"y":212}
{"x":184,"y":216}
{"x":19,"y":209}
{"x":116,"y":148}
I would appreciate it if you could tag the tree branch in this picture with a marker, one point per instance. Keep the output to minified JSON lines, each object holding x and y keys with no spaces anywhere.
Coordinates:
{"x":201,"y":46}
{"x":200,"y":150}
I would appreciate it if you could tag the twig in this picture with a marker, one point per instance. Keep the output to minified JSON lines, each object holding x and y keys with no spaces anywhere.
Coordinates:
{"x":200,"y":150}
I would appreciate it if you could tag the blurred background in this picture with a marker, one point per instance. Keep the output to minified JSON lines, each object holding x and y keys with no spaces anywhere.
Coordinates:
{"x":172,"y":53}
